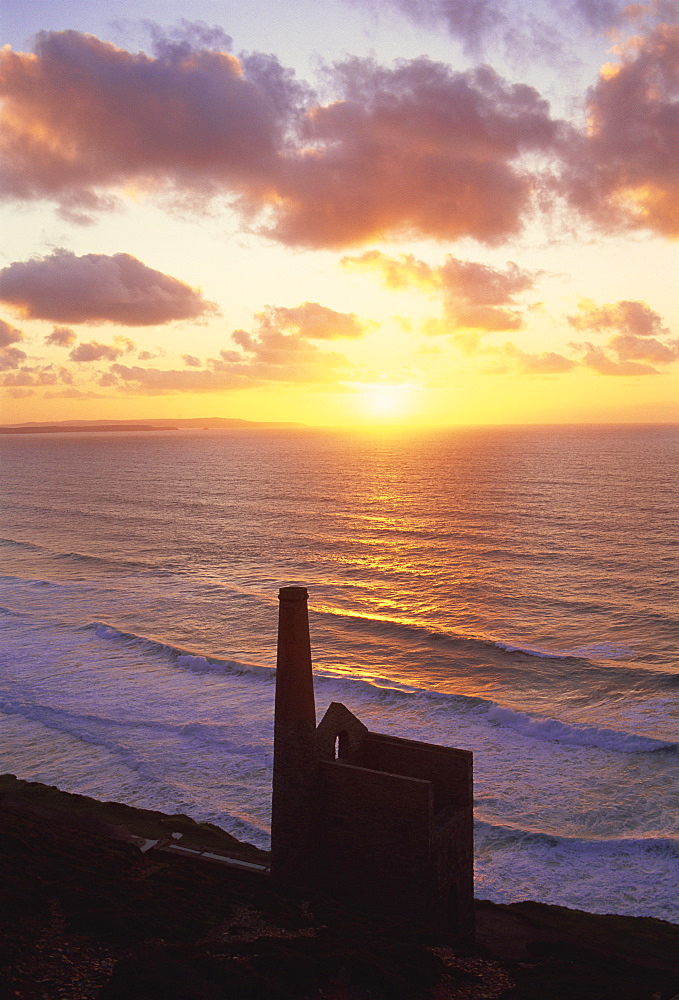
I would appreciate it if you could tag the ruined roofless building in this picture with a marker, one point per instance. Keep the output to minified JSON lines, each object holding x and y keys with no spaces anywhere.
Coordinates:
{"x":377,"y":821}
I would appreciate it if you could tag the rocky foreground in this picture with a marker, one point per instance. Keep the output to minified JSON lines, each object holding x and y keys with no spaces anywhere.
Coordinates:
{"x":96,"y":902}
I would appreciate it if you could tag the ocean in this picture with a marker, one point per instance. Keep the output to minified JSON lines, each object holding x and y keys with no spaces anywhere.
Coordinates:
{"x":510,"y":591}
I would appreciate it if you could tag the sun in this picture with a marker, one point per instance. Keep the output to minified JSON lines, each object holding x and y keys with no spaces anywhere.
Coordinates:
{"x":386,"y":401}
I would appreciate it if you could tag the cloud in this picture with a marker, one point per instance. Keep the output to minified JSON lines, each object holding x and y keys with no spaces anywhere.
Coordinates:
{"x":19,"y":393}
{"x":597,"y":359}
{"x":547,"y":363}
{"x":179,"y":41}
{"x":623,"y":172}
{"x":475,"y":296}
{"x":473,"y":22}
{"x":10,"y":356}
{"x":73,"y":394}
{"x":278,"y":350}
{"x":637,"y":330}
{"x":312,"y":321}
{"x":97,"y":288}
{"x":37,"y":376}
{"x":9,"y":334}
{"x":94,"y":351}
{"x":82,"y":117}
{"x":62,"y":336}
{"x":480,"y":23}
{"x":627,"y":316}
{"x":275,"y":356}
{"x":157,"y":381}
{"x":631,"y":348}
{"x":414,"y":149}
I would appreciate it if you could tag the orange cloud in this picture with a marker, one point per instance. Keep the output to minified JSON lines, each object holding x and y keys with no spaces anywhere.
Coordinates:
{"x":475,"y":296}
{"x":158,"y":381}
{"x":279,"y":350}
{"x":272,"y":355}
{"x":97,"y":288}
{"x":9,"y":334}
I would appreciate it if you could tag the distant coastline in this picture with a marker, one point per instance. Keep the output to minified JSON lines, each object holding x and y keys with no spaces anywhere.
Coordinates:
{"x":162,"y":424}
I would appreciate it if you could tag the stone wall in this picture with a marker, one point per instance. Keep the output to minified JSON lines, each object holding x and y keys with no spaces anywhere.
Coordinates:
{"x":376,"y":836}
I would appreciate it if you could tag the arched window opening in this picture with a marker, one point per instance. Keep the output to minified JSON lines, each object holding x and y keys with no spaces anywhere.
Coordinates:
{"x":341,"y":745}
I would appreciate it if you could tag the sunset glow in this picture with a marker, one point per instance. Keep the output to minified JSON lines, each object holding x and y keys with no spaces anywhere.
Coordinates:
{"x":384,"y":217}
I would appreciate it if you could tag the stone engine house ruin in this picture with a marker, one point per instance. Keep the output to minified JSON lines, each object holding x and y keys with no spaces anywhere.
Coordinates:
{"x":379,"y":821}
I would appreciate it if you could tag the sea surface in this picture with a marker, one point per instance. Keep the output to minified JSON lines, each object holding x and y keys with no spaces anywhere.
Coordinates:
{"x":511,"y":591}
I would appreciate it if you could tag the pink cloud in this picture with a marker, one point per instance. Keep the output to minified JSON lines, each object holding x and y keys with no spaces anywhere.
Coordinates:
{"x":627,"y":316}
{"x":37,"y":376}
{"x":546,"y":363}
{"x":636,"y":339}
{"x":475,"y":296}
{"x":62,"y":336}
{"x":417,"y":149}
{"x":10,"y":356}
{"x":623,"y":172}
{"x":278,"y":350}
{"x":157,"y":381}
{"x":97,"y":288}
{"x":631,"y":348}
{"x":82,"y":116}
{"x":597,"y":359}
{"x":312,"y":321}
{"x":94,"y":351}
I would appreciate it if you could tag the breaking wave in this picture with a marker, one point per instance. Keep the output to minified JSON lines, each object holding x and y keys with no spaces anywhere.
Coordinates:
{"x":386,"y":692}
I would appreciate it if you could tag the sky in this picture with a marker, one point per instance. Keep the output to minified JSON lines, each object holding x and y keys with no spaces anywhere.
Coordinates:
{"x":348,"y":212}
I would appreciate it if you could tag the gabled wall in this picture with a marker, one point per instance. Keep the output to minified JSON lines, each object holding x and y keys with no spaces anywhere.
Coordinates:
{"x":396,"y":825}
{"x":340,"y":726}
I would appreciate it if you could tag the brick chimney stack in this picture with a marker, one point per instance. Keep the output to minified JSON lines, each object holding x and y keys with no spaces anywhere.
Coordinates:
{"x":295,"y":772}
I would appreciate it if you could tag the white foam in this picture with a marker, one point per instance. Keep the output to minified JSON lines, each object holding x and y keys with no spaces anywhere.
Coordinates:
{"x":560,"y":732}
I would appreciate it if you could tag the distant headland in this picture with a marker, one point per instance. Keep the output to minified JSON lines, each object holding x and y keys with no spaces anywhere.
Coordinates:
{"x":160,"y":424}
